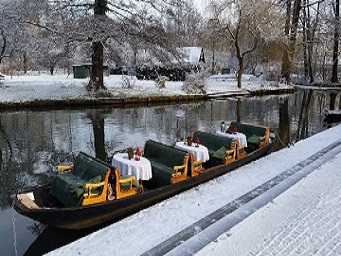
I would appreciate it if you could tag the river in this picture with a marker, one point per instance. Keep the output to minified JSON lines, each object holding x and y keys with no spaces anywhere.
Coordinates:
{"x":34,"y":142}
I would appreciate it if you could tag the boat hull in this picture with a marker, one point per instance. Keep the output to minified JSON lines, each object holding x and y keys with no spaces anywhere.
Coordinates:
{"x":110,"y":211}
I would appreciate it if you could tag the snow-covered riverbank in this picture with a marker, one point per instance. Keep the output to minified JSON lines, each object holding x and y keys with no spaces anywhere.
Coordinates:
{"x":35,"y":88}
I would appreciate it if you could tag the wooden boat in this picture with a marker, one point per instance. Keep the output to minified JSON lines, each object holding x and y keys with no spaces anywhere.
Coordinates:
{"x":332,"y":116}
{"x":44,"y":208}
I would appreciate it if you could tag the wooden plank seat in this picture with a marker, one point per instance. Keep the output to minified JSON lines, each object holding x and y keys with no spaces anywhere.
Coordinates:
{"x":257,"y":136}
{"x":222,"y":150}
{"x":169,"y":164}
{"x":84,"y":183}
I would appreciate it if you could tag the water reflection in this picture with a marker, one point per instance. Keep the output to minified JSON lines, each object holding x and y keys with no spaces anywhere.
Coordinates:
{"x":34,"y":142}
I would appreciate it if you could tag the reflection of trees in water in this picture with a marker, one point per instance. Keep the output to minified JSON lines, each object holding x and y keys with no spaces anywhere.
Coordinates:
{"x":30,"y":155}
{"x":44,"y":139}
{"x":238,"y":111}
{"x":5,"y":144}
{"x":97,"y":120}
{"x":311,"y":114}
{"x":259,"y":110}
{"x":283,"y":134}
{"x":303,"y":125}
{"x":335,"y":100}
{"x":332,"y":100}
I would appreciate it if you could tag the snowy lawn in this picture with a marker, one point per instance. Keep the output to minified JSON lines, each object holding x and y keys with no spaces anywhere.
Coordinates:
{"x":62,"y":87}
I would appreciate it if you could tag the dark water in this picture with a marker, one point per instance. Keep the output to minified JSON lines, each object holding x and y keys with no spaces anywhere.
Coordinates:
{"x":34,"y":142}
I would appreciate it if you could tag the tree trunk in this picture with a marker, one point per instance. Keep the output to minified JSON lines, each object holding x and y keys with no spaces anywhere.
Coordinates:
{"x":96,"y":78}
{"x":334,"y":78}
{"x":25,"y":62}
{"x":287,"y":60}
{"x":310,"y":60}
{"x":4,"y":44}
{"x":309,"y":34}
{"x":239,"y":57}
{"x":312,"y":29}
{"x":240,"y":71}
{"x":305,"y":40}
{"x":51,"y":70}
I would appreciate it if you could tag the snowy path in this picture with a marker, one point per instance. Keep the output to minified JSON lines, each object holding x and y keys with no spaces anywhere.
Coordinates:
{"x":304,"y":220}
{"x":189,"y":241}
{"x":303,"y":232}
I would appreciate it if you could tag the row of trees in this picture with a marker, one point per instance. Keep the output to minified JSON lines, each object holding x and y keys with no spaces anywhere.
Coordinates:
{"x":300,"y":36}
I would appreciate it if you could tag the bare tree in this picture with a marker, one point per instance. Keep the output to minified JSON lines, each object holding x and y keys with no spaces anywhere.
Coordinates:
{"x":334,"y":78}
{"x":97,"y":23}
{"x":310,"y":25}
{"x":184,"y":21}
{"x":7,"y":29}
{"x":3,"y":45}
{"x":291,"y":26}
{"x":96,"y":78}
{"x":245,"y":23}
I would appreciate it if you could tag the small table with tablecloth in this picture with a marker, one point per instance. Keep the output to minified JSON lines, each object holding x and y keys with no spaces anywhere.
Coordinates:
{"x":240,"y":137}
{"x":141,"y":169}
{"x":200,"y":152}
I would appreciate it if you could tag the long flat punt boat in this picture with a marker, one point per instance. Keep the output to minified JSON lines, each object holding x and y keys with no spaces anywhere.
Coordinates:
{"x":118,"y":198}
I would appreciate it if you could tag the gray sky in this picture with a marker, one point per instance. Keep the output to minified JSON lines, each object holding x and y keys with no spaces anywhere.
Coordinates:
{"x":201,"y":4}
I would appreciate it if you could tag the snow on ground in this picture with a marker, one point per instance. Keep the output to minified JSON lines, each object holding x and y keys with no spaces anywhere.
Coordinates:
{"x":146,"y":229}
{"x":62,"y":87}
{"x":249,"y":83}
{"x":304,"y":220}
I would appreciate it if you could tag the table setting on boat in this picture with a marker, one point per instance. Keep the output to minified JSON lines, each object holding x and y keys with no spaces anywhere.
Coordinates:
{"x":240,"y":137}
{"x":139,"y":167}
{"x":199,"y":151}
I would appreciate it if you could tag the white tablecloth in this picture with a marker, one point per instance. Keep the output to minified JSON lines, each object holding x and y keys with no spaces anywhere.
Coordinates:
{"x":200,"y":152}
{"x":141,"y":169}
{"x":238,"y":136}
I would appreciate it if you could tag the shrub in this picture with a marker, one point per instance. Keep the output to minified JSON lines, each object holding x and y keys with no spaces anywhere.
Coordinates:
{"x":195,"y":82}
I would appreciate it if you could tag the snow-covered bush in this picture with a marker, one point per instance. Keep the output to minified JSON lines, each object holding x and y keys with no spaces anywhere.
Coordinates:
{"x":160,"y":82}
{"x":104,"y":94}
{"x":127,"y":83}
{"x":273,"y":71}
{"x":195,"y":82}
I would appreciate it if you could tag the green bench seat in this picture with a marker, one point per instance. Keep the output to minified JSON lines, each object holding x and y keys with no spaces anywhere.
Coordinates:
{"x":221,"y":149}
{"x":69,"y":186}
{"x":169,"y":165}
{"x":257,"y":136}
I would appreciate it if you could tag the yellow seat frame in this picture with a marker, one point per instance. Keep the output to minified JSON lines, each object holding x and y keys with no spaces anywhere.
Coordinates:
{"x":90,"y":197}
{"x":122,"y":193}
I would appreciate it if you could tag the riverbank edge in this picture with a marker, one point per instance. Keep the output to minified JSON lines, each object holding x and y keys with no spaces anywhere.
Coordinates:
{"x":128,"y":101}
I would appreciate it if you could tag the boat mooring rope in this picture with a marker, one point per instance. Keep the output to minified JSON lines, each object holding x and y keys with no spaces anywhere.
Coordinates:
{"x":14,"y":232}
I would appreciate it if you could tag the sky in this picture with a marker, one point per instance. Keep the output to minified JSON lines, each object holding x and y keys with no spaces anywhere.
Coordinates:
{"x":201,"y":4}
